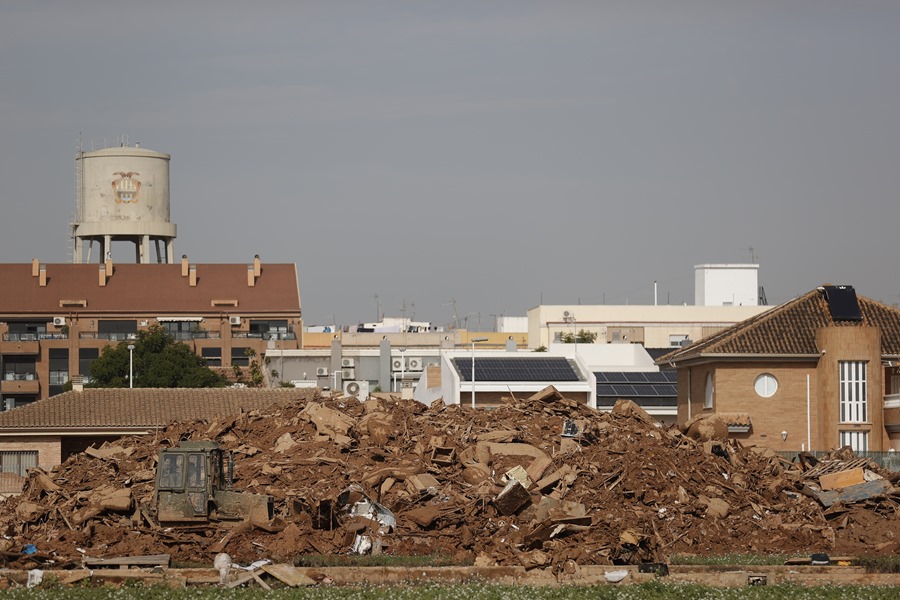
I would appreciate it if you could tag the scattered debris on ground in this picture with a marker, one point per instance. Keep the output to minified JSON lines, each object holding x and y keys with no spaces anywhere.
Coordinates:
{"x":541,"y":482}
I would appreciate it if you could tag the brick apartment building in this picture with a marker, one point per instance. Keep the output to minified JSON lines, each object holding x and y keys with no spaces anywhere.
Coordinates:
{"x":816,"y":373}
{"x":56,"y":318}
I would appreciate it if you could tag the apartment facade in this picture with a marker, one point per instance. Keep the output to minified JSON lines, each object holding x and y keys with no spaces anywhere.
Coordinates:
{"x":55,"y":319}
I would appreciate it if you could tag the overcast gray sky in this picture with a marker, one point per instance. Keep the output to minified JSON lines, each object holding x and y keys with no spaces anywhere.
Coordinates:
{"x":495,"y":154}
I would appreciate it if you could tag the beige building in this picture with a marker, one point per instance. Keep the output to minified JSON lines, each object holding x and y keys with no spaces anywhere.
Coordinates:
{"x":651,"y":326}
{"x":817,"y":373}
{"x":55,"y":319}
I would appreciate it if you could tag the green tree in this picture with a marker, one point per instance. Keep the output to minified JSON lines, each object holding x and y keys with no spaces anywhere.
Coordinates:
{"x":159,"y":362}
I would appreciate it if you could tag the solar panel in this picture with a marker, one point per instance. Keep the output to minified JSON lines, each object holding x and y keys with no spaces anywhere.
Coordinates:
{"x":516,"y":369}
{"x":842,"y":303}
{"x":616,"y":377}
{"x":625,"y":390}
{"x":660,"y":377}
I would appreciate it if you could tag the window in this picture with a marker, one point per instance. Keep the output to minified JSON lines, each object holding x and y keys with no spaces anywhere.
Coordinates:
{"x":196,"y":471}
{"x":710,"y":391}
{"x":117,"y":330}
{"x":273,"y":329}
{"x":86,"y":356}
{"x":18,"y":368}
{"x":59,"y":369}
{"x":766,"y":385}
{"x":239,"y":357}
{"x":26,"y":331}
{"x":213,"y":356}
{"x":857,"y":440}
{"x":171,"y":473}
{"x":854,"y":402}
{"x":14,"y":465}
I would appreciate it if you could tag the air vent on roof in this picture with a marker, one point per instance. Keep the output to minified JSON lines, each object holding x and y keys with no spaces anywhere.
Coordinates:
{"x":842,"y":303}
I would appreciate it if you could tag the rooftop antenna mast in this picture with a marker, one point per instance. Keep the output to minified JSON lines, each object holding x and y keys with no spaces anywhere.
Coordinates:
{"x":453,"y":313}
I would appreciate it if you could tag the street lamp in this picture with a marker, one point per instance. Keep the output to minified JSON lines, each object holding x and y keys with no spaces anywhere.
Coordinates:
{"x":131,"y":365}
{"x":474,"y":340}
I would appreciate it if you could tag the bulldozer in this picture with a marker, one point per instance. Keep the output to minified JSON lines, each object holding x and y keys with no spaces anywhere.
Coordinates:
{"x":194,"y":484}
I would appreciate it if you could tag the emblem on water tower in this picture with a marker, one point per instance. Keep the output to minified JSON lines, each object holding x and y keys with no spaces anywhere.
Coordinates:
{"x":126,"y":187}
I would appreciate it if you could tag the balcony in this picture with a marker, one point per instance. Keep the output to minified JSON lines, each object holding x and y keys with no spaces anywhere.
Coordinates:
{"x":20,"y":343}
{"x":20,"y":383}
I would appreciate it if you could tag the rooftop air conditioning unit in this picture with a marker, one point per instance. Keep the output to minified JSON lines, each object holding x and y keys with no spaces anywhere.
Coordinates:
{"x":348,"y":373}
{"x":321,"y":371}
{"x":348,"y":362}
{"x":398,"y":364}
{"x":59,"y":321}
{"x":235,"y":320}
{"x":414,"y":364}
{"x":359,"y":389}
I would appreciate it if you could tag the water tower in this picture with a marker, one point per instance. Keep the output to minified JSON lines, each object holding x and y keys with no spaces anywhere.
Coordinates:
{"x":122,"y":194}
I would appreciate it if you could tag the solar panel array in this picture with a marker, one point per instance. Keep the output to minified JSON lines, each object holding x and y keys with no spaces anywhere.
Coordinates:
{"x":517,"y":369}
{"x":636,"y":385}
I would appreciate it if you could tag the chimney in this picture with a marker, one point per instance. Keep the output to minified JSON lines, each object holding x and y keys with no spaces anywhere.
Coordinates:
{"x":42,"y":276}
{"x":251,"y":279}
{"x":108,"y":266}
{"x":35,"y":267}
{"x":184,"y":265}
{"x":192,"y":276}
{"x":257,"y":268}
{"x":78,"y":383}
{"x":102,"y":272}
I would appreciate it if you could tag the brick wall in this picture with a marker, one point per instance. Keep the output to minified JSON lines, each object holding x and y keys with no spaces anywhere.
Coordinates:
{"x":48,"y":448}
{"x":786,"y":409}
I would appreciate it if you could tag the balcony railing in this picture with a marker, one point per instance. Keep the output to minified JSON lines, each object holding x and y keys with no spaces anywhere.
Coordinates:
{"x":33,"y":337}
{"x":270,"y":335}
{"x":19,"y":376}
{"x":196,"y":335}
{"x":113,"y":337}
{"x":178,"y":335}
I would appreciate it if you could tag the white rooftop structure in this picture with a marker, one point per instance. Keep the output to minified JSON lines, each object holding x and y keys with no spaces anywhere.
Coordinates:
{"x":726,"y":285}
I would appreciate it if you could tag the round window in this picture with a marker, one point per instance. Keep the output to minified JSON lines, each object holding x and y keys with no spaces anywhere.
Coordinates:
{"x":766,"y":385}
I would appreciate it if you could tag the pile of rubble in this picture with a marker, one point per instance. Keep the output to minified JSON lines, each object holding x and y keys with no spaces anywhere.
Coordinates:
{"x":535,"y":482}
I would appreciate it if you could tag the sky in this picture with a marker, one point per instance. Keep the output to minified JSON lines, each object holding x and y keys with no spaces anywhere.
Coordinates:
{"x":461,"y":160}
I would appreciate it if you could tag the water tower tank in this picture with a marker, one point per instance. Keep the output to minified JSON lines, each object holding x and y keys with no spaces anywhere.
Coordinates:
{"x":123,"y":195}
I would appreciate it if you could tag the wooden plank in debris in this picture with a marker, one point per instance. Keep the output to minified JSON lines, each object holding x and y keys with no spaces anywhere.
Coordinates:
{"x":855,"y":493}
{"x":289,"y":575}
{"x":842,"y":479}
{"x":151,"y":560}
{"x":833,"y":466}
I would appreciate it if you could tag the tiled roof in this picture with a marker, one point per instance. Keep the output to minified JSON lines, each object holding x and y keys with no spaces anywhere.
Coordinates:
{"x":140,"y":407}
{"x":148,"y":288}
{"x":790,"y":329}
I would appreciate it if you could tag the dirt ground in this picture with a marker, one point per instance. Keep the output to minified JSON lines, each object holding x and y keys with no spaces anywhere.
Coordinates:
{"x":585,"y":486}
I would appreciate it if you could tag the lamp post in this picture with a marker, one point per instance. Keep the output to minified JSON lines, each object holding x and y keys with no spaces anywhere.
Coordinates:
{"x":474,"y":340}
{"x":130,"y":365}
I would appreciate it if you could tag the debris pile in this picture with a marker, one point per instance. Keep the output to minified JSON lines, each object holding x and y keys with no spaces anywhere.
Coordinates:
{"x":536,"y":482}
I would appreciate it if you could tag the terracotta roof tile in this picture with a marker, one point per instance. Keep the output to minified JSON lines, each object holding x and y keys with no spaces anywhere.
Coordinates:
{"x":790,"y":329}
{"x":141,"y":407}
{"x":148,"y":288}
